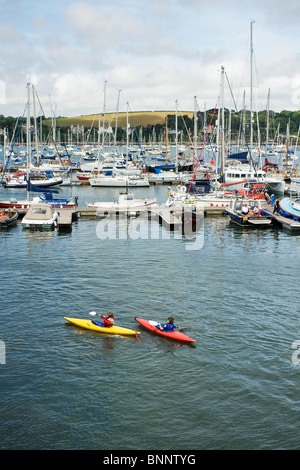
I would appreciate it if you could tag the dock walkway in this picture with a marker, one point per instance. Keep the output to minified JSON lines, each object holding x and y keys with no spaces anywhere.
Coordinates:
{"x":285,"y":222}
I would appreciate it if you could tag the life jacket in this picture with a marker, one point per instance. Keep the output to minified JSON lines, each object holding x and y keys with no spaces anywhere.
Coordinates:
{"x":169,"y":327}
{"x":108,"y":321}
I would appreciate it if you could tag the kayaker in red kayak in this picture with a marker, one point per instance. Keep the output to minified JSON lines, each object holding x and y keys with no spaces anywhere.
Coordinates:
{"x":108,"y":320}
{"x":169,"y":326}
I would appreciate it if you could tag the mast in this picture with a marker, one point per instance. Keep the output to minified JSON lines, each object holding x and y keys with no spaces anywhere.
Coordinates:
{"x":176,"y":138}
{"x":127,"y":136}
{"x":35,"y":128}
{"x":104,"y":109}
{"x":116,"y":128}
{"x":287,"y":144}
{"x":99,"y":125}
{"x":267,"y":130}
{"x":251,"y":88}
{"x":195,"y":129}
{"x":223,"y":122}
{"x":166,"y":158}
{"x":28,"y":160}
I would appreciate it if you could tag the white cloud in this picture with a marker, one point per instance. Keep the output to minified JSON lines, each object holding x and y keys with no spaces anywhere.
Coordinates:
{"x":156,"y":52}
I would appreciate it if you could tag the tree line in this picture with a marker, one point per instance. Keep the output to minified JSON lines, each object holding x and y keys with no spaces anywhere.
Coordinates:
{"x":235,"y":123}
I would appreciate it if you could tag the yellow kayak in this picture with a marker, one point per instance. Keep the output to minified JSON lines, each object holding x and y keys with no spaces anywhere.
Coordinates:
{"x":97,"y":326}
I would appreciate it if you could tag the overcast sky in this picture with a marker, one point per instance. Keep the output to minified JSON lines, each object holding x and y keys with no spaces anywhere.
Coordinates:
{"x":156,"y":52}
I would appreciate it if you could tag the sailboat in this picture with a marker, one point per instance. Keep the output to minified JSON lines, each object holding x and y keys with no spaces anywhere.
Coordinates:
{"x":129,"y":176}
{"x":47,"y":196}
{"x":237,"y":175}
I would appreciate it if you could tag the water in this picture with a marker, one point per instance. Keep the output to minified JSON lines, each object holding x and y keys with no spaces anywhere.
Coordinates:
{"x":69,"y":388}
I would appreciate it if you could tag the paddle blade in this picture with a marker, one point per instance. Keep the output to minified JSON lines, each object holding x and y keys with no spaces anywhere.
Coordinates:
{"x":93,"y":313}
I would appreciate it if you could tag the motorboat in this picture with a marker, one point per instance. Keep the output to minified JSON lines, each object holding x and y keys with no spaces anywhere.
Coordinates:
{"x":127,"y":202}
{"x":8,"y":217}
{"x":248,"y":213}
{"x":45,"y":198}
{"x":290,"y":207}
{"x":168,"y":177}
{"x":40,"y":179}
{"x":237,"y":175}
{"x":215,"y":201}
{"x":119,"y":180}
{"x":40,"y":216}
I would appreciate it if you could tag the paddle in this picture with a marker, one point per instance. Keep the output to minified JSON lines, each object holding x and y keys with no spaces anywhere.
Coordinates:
{"x":94,"y":313}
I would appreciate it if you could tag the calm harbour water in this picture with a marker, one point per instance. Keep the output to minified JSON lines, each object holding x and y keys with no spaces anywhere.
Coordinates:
{"x":69,"y":388}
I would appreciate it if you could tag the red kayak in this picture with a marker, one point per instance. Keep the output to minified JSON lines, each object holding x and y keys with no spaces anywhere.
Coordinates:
{"x":175,"y":335}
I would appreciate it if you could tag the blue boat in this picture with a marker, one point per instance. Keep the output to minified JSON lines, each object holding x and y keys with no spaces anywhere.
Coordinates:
{"x":290,"y":208}
{"x":8,"y":217}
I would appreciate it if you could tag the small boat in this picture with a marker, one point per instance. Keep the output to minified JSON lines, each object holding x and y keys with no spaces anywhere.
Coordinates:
{"x":119,"y":180}
{"x":213,"y":201}
{"x":8,"y":217}
{"x":167,"y":177}
{"x":46,"y":198}
{"x":41,"y":179}
{"x":253,"y":191}
{"x":151,"y":326}
{"x":126,"y":203}
{"x":98,"y":326}
{"x":254,"y":217}
{"x":40,"y":216}
{"x":290,"y":207}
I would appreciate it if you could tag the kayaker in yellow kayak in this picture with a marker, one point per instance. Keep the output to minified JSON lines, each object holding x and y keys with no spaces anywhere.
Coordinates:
{"x":108,"y":319}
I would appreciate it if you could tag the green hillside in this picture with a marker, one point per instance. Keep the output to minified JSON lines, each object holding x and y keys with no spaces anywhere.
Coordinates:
{"x":136,"y":119}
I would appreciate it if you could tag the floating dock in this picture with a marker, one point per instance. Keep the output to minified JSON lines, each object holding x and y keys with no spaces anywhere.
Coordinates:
{"x":284,"y":222}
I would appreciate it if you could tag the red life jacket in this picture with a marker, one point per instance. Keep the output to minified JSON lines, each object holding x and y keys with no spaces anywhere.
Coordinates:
{"x":107,"y":321}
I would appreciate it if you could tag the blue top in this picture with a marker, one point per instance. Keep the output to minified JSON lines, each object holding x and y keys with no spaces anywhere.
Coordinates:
{"x":168,"y":327}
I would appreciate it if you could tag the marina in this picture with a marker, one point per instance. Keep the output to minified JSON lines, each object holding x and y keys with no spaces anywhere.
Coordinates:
{"x":245,"y":337}
{"x":149,"y":230}
{"x":146,"y":253}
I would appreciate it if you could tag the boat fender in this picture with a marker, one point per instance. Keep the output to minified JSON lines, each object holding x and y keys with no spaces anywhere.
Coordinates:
{"x":8,"y":179}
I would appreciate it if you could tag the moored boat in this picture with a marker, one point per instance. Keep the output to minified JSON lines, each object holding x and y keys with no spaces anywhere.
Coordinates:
{"x":290,"y":207}
{"x":8,"y":217}
{"x":119,"y":181}
{"x":40,"y":216}
{"x":248,"y":213}
{"x":126,"y":202}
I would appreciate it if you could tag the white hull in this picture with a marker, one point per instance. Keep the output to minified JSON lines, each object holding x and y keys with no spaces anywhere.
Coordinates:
{"x":118,"y":181}
{"x":40,"y":216}
{"x":126,"y":203}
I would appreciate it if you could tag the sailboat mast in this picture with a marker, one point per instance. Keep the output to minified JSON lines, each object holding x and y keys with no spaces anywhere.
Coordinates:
{"x":127,"y":136}
{"x":28,"y":129}
{"x":104,"y":110}
{"x":28,"y":160}
{"x":176,"y":137}
{"x":268,"y":123}
{"x":251,"y":88}
{"x":35,"y":128}
{"x":166,"y":158}
{"x":116,"y":128}
{"x":223,"y":123}
{"x":195,"y":130}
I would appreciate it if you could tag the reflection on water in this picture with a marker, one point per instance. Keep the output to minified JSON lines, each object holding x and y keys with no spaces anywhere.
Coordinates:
{"x":63,"y":387}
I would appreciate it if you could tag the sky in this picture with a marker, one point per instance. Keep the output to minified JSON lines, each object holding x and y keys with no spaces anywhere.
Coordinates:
{"x":149,"y":55}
